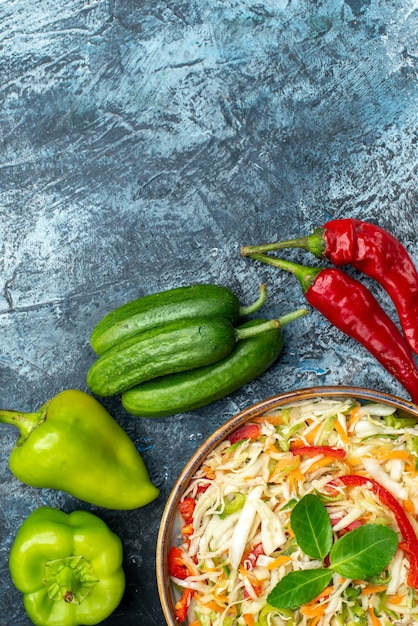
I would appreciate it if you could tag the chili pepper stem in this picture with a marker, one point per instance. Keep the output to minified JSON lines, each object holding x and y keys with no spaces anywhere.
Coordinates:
{"x":313,"y":243}
{"x":25,"y":422}
{"x":255,"y":306}
{"x":250,"y":331}
{"x":305,"y":275}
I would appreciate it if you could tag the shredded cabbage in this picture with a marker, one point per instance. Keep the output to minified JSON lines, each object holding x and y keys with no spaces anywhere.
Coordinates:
{"x":239,"y":555}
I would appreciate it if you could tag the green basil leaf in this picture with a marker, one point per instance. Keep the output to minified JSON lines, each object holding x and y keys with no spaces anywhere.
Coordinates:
{"x":312,"y":527}
{"x":297,"y":588}
{"x":364,"y":552}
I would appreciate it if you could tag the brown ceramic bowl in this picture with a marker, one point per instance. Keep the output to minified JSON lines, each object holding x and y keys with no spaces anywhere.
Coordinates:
{"x":169,"y":526}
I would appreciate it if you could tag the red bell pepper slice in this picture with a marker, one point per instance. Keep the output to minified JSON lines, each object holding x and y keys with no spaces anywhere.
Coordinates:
{"x":186,"y":509}
{"x":249,"y":431}
{"x":176,"y":564}
{"x":335,"y":453}
{"x":183,"y":604}
{"x":405,"y":526}
{"x":250,"y":559}
{"x":352,"y":526}
{"x":257,"y":588}
{"x":202,"y":488}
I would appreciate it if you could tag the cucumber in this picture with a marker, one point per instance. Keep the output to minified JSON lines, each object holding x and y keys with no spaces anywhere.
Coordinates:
{"x":185,"y":391}
{"x":181,"y":345}
{"x":166,"y":306}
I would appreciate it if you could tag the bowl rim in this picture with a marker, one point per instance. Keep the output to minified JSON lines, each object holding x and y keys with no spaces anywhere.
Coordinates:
{"x":221,"y":433}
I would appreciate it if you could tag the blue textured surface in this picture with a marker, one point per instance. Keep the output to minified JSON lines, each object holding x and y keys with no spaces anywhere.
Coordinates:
{"x":141,"y":144}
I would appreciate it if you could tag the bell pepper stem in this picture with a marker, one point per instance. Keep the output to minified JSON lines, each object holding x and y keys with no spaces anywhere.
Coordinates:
{"x":314,"y":243}
{"x":255,"y":306}
{"x":305,"y":275}
{"x":250,"y":331}
{"x":25,"y":422}
{"x":70,"y":579}
{"x":67,"y":584}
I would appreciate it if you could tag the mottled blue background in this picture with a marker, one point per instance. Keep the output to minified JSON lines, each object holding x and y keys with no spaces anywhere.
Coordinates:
{"x":141,"y":144}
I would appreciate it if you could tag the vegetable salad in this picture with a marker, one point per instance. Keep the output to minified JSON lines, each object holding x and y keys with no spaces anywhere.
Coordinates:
{"x":253,"y":542}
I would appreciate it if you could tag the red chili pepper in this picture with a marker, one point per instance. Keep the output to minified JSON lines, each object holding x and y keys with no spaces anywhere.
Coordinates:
{"x":183,"y":604}
{"x":405,"y":526}
{"x":353,"y":309}
{"x":249,"y":431}
{"x":186,"y":509}
{"x":335,"y":453}
{"x":371,"y":250}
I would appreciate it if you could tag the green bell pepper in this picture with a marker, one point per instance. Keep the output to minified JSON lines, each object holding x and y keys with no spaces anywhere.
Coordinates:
{"x":74,"y":445}
{"x":68,"y":567}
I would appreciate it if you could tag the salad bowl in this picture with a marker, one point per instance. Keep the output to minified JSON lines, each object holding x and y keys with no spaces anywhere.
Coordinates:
{"x":354,"y":422}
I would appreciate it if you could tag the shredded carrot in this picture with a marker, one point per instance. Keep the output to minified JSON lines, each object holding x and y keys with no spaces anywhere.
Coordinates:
{"x":409,"y":506}
{"x":315,"y":620}
{"x":296,"y":473}
{"x":221,"y":596}
{"x":291,"y":480}
{"x":232,"y":610}
{"x":326,"y":460}
{"x":382,"y":454}
{"x":220,"y":586}
{"x":324,"y":594}
{"x":311,"y":435}
{"x":243,"y":570}
{"x":205,"y":568}
{"x":341,"y":431}
{"x":297,"y":443}
{"x":248,"y":619}
{"x":195,"y":623}
{"x":284,"y":466}
{"x":208,"y":472}
{"x":214,"y":606}
{"x":396,"y":599}
{"x":373,"y":617}
{"x":353,"y":461}
{"x":274,"y":420}
{"x":410,"y":467}
{"x":309,"y":438}
{"x":314,"y":610}
{"x":289,"y":531}
{"x":353,"y":418}
{"x":278,"y":561}
{"x":252,"y":578}
{"x":348,"y":467}
{"x":369,"y":589}
{"x":187,"y":529}
{"x":272,"y":448}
